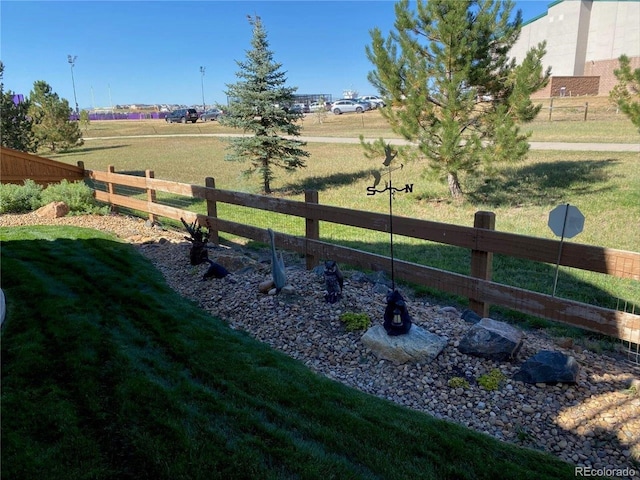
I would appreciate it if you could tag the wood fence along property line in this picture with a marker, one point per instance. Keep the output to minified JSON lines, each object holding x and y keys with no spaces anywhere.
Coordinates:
{"x":482,"y":240}
{"x":18,"y":166}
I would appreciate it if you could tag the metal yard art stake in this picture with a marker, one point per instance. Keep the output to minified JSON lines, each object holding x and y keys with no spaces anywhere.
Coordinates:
{"x":397,"y":320}
{"x":566,"y":221}
{"x":388,"y":187}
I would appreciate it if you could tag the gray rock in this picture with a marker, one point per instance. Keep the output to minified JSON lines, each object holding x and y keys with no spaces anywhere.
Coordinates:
{"x":3,"y":307}
{"x":417,"y":345}
{"x":492,"y":339}
{"x":470,"y":316}
{"x":359,"y":277}
{"x":381,"y":288}
{"x":547,"y":366}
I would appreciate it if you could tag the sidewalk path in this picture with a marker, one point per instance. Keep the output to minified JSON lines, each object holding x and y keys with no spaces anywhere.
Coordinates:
{"x":586,"y":147}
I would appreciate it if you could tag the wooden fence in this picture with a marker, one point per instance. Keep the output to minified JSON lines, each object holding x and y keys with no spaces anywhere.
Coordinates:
{"x":482,"y":240}
{"x":16,"y":166}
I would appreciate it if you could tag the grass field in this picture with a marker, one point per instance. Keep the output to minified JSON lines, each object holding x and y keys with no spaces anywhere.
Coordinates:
{"x":112,"y":375}
{"x":605,"y":186}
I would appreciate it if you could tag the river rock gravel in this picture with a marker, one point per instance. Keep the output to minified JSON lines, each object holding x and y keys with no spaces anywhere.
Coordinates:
{"x":594,"y":424}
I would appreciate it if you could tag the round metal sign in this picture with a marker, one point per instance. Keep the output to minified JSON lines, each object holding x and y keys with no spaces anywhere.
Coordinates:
{"x":566,"y":221}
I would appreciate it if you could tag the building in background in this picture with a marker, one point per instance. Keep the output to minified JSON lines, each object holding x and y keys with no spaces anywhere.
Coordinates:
{"x":584,"y":38}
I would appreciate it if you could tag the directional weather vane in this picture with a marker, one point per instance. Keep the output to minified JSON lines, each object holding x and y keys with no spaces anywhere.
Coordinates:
{"x":390,"y":155}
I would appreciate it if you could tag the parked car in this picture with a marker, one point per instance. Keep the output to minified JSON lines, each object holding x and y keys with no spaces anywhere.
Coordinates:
{"x":299,"y":108}
{"x":346,"y":105}
{"x":366,"y":104}
{"x":374,"y":99}
{"x":183,"y":115}
{"x":211,"y":114}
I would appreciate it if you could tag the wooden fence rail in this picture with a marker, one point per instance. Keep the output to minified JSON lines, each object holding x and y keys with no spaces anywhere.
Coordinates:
{"x":481,"y":240}
{"x":16,"y":166}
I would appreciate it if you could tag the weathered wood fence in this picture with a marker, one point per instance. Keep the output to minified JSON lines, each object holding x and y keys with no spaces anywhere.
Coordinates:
{"x":482,"y":240}
{"x":16,"y":166}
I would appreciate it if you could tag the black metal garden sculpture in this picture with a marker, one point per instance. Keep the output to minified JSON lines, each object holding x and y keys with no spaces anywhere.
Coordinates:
{"x":397,"y":320}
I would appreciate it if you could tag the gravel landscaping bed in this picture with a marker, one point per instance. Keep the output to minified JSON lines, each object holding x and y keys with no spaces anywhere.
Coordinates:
{"x":594,"y":423}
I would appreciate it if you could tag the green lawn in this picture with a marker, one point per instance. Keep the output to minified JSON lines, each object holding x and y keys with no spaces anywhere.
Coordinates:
{"x":109,"y":374}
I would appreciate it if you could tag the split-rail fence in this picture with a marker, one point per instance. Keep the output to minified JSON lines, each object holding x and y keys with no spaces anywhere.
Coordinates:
{"x":482,"y":240}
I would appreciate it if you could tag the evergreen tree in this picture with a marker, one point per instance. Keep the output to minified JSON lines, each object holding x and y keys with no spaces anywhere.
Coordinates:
{"x":51,"y":116}
{"x":256,"y":106}
{"x":450,"y":86}
{"x":626,"y":94}
{"x":15,"y":123}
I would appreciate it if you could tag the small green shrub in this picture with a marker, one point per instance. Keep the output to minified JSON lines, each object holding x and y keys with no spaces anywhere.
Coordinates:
{"x":20,"y":198}
{"x":458,"y":382}
{"x":77,"y":195}
{"x":355,"y":321}
{"x":492,"y":380}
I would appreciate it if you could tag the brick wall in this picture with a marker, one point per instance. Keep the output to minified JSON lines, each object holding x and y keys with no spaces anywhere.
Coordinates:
{"x":598,"y":80}
{"x":604,"y":69}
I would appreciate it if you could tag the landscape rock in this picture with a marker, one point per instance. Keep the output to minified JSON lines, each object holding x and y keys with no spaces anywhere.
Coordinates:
{"x":53,"y":210}
{"x":549,"y":367}
{"x":265,"y":286}
{"x":3,"y":307}
{"x":470,"y":316}
{"x":235,"y":263}
{"x":492,"y":340}
{"x":418,"y":345}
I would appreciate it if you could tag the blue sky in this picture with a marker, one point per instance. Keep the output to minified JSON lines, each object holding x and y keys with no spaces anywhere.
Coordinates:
{"x":152,"y":51}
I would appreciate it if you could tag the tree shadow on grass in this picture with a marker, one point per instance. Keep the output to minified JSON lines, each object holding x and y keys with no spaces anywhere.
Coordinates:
{"x":326,"y":182}
{"x":541,"y":183}
{"x":84,"y":151}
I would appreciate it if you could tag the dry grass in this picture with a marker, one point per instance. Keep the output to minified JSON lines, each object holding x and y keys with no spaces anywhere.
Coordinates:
{"x":603,"y":124}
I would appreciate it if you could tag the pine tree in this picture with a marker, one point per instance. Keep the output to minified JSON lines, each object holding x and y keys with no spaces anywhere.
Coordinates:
{"x":258,"y":104}
{"x":626,"y":94}
{"x":450,"y":86}
{"x":15,"y":123}
{"x":52,"y":126}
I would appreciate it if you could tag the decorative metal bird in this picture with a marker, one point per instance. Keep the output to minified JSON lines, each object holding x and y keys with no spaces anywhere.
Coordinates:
{"x":389,"y":155}
{"x":277,"y":265}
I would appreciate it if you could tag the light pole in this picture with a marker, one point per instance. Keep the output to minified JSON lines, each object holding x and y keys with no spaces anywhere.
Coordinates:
{"x":72,"y":61}
{"x":204,"y":108}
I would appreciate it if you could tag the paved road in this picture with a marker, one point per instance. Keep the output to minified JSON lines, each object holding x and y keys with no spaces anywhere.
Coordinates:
{"x":586,"y":147}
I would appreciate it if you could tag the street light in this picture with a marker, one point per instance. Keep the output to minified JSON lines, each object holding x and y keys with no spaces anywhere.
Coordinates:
{"x":72,"y":61}
{"x":204,"y":108}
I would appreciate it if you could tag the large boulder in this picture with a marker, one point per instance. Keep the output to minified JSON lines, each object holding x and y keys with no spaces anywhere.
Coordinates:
{"x":417,"y":345}
{"x":547,"y":366}
{"x":492,"y":339}
{"x":53,"y":210}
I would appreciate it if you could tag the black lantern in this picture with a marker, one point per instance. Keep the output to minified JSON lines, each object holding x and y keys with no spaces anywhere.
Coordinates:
{"x":397,"y":320}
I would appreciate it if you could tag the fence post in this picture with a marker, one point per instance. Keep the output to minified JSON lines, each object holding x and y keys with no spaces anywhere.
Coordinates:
{"x":550,"y":108}
{"x":212,"y":210}
{"x":586,"y":108}
{"x":481,"y":261}
{"x":151,"y":194}
{"x":312,"y":229}
{"x":111,"y":189}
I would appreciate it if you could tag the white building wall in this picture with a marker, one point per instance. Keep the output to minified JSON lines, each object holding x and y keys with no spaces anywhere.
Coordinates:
{"x":614,"y":30}
{"x":582,"y":31}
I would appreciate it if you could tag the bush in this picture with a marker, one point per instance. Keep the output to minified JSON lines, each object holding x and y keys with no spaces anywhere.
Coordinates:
{"x":492,"y":380}
{"x":20,"y":198}
{"x":355,"y":321}
{"x":458,"y":382}
{"x":77,"y":195}
{"x":31,"y":196}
